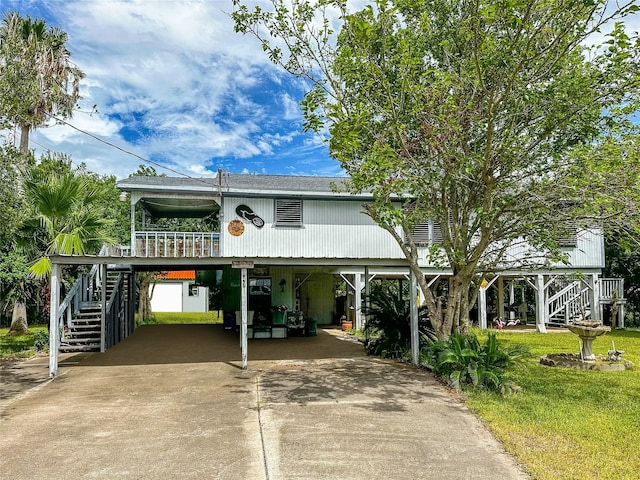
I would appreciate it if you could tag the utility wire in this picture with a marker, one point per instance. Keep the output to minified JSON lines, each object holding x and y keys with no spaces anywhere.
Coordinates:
{"x":113,"y":145}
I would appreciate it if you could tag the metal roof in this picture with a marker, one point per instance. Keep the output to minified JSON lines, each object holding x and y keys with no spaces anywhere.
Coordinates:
{"x":233,"y":183}
{"x":178,"y":275}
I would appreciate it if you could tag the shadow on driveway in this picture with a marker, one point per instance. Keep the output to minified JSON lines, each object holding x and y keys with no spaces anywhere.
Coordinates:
{"x":167,"y":344}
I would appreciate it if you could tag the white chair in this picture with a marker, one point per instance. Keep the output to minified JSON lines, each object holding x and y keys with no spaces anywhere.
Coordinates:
{"x":239,"y":318}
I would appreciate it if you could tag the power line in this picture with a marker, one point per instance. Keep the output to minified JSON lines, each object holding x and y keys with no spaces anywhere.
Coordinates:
{"x":113,"y":145}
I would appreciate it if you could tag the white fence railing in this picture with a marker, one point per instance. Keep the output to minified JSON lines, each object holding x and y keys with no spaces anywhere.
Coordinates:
{"x":611,"y":286}
{"x":573,"y":301}
{"x":177,"y":244}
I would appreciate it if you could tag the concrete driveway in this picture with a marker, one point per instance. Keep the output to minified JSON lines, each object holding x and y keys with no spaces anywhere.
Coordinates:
{"x":336,"y":415}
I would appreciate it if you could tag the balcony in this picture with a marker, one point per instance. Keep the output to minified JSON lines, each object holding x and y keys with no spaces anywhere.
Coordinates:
{"x":177,"y":244}
{"x":611,"y":289}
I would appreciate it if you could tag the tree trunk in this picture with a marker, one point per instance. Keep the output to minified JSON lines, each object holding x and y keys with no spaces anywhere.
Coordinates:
{"x":19,"y":324}
{"x":458,"y":302}
{"x":456,"y":314}
{"x":144,"y":300}
{"x":24,"y":139}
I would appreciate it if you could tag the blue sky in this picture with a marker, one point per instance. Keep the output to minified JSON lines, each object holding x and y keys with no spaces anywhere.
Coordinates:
{"x":172,"y":82}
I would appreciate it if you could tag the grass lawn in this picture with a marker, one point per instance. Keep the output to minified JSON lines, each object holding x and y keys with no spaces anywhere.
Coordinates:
{"x":19,"y":346}
{"x":565,"y":423}
{"x":187,"y":317}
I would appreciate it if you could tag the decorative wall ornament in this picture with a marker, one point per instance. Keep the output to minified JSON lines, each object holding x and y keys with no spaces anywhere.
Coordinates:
{"x":236,"y":228}
{"x":249,"y":215}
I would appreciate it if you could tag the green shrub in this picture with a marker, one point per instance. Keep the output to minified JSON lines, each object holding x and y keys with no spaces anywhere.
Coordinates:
{"x":19,"y":346}
{"x":463,"y":362}
{"x":389,"y":325}
{"x":41,"y":341}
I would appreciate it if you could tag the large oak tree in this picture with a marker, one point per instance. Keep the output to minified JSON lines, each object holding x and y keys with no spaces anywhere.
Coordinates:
{"x":481,"y":115}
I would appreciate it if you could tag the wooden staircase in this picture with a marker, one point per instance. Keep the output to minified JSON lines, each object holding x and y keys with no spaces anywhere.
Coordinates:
{"x":83,"y":335}
{"x":83,"y":332}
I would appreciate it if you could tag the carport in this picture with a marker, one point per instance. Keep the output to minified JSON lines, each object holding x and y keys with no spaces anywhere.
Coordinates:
{"x":361,"y":269}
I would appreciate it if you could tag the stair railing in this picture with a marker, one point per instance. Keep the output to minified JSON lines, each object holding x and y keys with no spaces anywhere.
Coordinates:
{"x":557,"y":303}
{"x":69,"y":306}
{"x":94,"y":276}
{"x":115,"y":313}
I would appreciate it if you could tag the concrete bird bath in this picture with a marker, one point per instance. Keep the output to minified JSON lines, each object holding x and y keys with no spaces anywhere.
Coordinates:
{"x":587,"y":330}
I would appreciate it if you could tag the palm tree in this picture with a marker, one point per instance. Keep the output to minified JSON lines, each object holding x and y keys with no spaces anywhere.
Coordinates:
{"x":65,"y":218}
{"x":37,"y":78}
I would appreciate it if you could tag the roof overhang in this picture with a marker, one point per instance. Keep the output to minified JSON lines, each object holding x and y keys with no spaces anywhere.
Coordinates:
{"x":182,"y":207}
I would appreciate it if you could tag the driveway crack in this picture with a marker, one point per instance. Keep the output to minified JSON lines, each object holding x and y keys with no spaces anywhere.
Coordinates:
{"x":265,"y":460}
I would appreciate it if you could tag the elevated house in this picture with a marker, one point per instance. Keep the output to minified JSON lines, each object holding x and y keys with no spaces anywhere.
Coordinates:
{"x":297,"y":245}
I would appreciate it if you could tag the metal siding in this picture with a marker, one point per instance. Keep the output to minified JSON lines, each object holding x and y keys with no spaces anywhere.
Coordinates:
{"x":589,"y":251}
{"x":331,"y":229}
{"x":340,"y":229}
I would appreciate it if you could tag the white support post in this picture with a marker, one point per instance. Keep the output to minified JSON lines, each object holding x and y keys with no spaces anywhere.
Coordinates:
{"x":541,"y":305}
{"x":512,"y":301}
{"x":500,"y":312}
{"x":243,"y":308}
{"x":415,"y":336}
{"x":103,"y":314}
{"x":53,"y":320}
{"x":620,"y":314}
{"x":357,"y":282}
{"x":482,"y":307}
{"x":594,"y":298}
{"x":482,"y":300}
{"x":367,"y":292}
{"x":133,"y":226}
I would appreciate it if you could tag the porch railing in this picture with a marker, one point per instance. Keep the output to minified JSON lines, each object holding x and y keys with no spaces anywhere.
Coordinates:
{"x":177,"y":244}
{"x":609,"y":286}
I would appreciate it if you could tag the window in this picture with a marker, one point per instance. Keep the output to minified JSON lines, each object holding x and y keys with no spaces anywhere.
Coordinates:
{"x":193,"y":290}
{"x":288,"y":212}
{"x":569,"y":238}
{"x":427,"y":233}
{"x":421,"y":234}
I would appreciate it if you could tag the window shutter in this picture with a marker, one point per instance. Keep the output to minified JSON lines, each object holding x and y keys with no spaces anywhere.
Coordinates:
{"x":427,"y":233}
{"x":421,"y":234}
{"x":288,"y":212}
{"x":437,"y":233}
{"x":569,"y":238}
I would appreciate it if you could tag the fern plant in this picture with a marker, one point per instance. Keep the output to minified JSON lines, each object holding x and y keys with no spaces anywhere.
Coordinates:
{"x":464,"y":362}
{"x":389,"y":324}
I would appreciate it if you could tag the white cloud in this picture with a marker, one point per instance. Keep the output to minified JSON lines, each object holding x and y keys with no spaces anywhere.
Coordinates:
{"x":291,"y":107}
{"x":174,"y":83}
{"x":171,"y":82}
